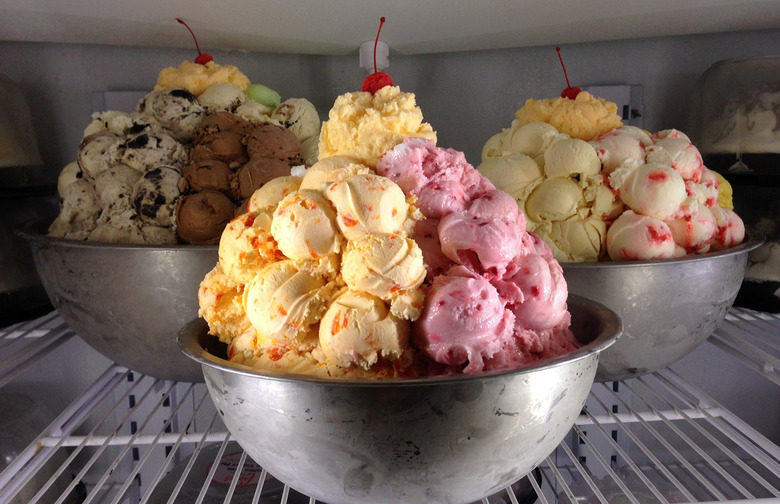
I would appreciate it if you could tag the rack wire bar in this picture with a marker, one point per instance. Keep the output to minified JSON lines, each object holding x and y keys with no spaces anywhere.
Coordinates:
{"x":656,"y":438}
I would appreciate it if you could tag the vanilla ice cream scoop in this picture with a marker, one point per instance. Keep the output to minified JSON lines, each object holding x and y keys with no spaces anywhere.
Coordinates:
{"x":367,"y":204}
{"x":570,"y":156}
{"x":556,"y":199}
{"x":304,"y":226}
{"x":246,"y":245}
{"x":358,"y":330}
{"x":282,"y":302}
{"x":655,"y":190}
{"x":531,"y":139}
{"x":575,"y":240}
{"x":384,"y":265}
{"x":516,"y":174}
{"x":222,"y":96}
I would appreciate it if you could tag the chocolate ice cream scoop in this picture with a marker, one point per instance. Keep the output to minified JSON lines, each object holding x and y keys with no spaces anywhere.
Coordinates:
{"x":222,"y":121}
{"x":224,"y":146}
{"x":206,"y":175}
{"x":201,"y":217}
{"x":271,"y":141}
{"x":257,"y":172}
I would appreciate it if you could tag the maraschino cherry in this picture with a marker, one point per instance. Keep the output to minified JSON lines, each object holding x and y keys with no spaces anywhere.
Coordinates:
{"x":202,"y":58}
{"x":377,"y":80}
{"x":569,"y":92}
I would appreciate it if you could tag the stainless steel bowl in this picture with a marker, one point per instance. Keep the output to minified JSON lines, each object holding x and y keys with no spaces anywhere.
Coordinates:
{"x":668,"y":307}
{"x":446,"y":439}
{"x":128,"y":302}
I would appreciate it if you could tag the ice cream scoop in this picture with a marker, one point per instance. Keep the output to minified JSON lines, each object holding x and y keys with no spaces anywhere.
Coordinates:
{"x":207,"y":175}
{"x":155,"y":196}
{"x":367,"y":204}
{"x":363,"y":126}
{"x":678,"y":153}
{"x":639,"y":237}
{"x":331,"y":169}
{"x":358,"y":330}
{"x":383,"y":265}
{"x":222,"y":96}
{"x":197,"y":78}
{"x":176,"y":110}
{"x":79,"y":211}
{"x":304,"y":226}
{"x":97,"y":152}
{"x":486,"y":236}
{"x":201,"y":217}
{"x":655,"y":190}
{"x":282,"y":302}
{"x":618,"y":147}
{"x":114,"y":189}
{"x":246,"y":245}
{"x":299,"y":116}
{"x":256,"y":172}
{"x":571,"y":156}
{"x":276,"y":142}
{"x":464,"y":321}
{"x":536,"y":291}
{"x":220,"y":301}
{"x":147,"y":150}
{"x":441,"y":179}
{"x":584,"y":117}
{"x":225,"y":146}
{"x":272,"y":192}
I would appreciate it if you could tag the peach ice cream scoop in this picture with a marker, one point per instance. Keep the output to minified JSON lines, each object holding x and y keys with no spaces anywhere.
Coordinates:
{"x":304,"y":226}
{"x":246,"y":245}
{"x":358,"y":330}
{"x":368,"y":204}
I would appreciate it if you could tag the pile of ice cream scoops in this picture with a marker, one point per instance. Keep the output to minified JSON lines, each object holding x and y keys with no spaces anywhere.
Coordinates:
{"x":594,"y":189}
{"x":185,"y":162}
{"x":388,"y":257}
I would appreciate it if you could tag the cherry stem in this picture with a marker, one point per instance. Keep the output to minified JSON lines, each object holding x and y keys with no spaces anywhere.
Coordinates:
{"x":191,"y":33}
{"x":376,"y":42}
{"x":564,"y":67}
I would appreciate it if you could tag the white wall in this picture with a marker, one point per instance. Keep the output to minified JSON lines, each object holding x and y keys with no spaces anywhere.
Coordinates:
{"x":466,"y":96}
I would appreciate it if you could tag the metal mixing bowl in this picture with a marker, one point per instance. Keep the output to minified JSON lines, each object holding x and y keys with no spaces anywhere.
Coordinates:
{"x":128,"y":302}
{"x":668,"y":307}
{"x":450,"y":439}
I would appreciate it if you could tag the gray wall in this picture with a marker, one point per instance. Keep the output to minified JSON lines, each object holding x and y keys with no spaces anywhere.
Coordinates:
{"x":466,"y":96}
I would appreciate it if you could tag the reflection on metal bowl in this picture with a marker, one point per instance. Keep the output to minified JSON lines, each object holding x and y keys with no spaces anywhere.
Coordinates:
{"x":449,"y":439}
{"x":668,"y":307}
{"x":128,"y":302}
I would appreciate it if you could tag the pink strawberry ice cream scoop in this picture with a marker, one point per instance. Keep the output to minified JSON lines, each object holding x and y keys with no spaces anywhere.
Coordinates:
{"x":536,"y":292}
{"x":442,"y":179}
{"x":639,"y":237}
{"x":464,"y":320}
{"x":426,"y":234}
{"x":486,"y":236}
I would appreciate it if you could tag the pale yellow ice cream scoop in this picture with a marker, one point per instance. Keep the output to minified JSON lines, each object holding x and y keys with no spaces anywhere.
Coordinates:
{"x":368,"y":204}
{"x":358,"y":329}
{"x":304,"y":226}
{"x":283,"y":302}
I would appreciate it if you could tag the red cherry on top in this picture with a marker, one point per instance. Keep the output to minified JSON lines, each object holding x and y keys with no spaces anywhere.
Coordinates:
{"x":202,"y":58}
{"x":377,"y":80}
{"x":570,"y":92}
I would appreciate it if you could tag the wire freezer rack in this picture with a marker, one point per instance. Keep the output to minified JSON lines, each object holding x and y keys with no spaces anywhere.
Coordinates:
{"x":130,"y":438}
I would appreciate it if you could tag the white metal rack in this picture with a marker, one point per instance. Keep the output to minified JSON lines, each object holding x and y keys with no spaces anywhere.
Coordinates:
{"x":658,"y":438}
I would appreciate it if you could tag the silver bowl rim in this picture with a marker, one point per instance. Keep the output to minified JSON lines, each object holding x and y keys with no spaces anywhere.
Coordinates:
{"x":752,"y":241}
{"x":33,"y":231}
{"x":611,"y":330}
